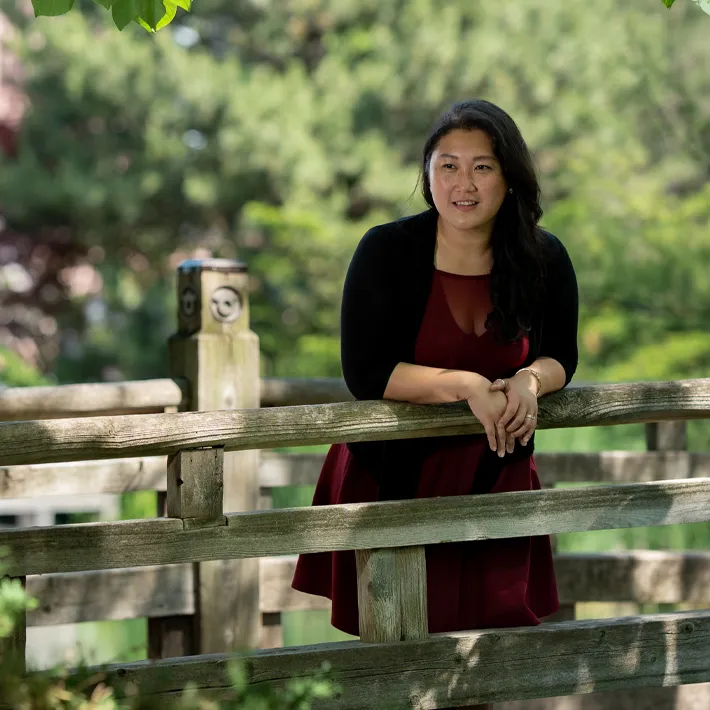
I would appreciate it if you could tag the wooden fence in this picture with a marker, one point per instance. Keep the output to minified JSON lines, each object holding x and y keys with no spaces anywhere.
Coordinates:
{"x":175,"y":568}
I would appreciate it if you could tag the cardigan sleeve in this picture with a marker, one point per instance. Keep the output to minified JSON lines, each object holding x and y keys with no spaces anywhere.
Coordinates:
{"x":561,"y":310}
{"x":368,"y":328}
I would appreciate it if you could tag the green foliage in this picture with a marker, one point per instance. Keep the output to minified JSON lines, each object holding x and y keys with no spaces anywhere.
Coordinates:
{"x":15,"y":372}
{"x":85,"y":688}
{"x":152,"y":15}
{"x":279,"y":136}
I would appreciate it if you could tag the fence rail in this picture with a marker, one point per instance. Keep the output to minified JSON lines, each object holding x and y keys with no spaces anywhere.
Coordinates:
{"x":190,"y":570}
{"x":640,"y":577}
{"x":146,"y":396}
{"x":486,"y":666}
{"x":114,"y":476}
{"x":27,"y":442}
{"x":359,"y":526}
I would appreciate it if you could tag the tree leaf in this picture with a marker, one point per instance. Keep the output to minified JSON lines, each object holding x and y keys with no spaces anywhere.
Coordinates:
{"x":144,"y":24}
{"x":184,"y":4}
{"x":125,"y":11}
{"x":170,"y":11}
{"x":704,"y":5}
{"x":51,"y":8}
{"x":152,"y":12}
{"x":668,"y":3}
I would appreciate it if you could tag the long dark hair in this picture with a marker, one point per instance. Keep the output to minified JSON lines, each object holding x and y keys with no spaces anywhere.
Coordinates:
{"x":517,"y":243}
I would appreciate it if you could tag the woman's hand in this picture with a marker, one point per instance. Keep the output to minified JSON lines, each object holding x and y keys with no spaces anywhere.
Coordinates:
{"x":519,"y":419}
{"x":488,"y":405}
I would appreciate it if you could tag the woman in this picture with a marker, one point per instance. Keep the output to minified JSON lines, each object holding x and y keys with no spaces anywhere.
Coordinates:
{"x":472,"y":301}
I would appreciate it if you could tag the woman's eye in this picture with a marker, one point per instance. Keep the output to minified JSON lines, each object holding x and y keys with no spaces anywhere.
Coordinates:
{"x":449,"y":166}
{"x":483,"y":167}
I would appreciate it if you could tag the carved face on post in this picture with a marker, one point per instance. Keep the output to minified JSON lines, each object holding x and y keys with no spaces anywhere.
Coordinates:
{"x":188,"y":302}
{"x":225,"y":305}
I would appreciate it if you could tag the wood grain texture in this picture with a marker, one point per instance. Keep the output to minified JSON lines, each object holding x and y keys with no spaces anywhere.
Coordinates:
{"x":391,"y":594}
{"x":575,"y":657}
{"x":153,"y":434}
{"x":131,"y":593}
{"x":86,"y":400}
{"x":642,"y":577}
{"x":359,"y":526}
{"x":149,"y":473}
{"x":221,"y":361}
{"x":195,"y":484}
{"x":85,"y":477}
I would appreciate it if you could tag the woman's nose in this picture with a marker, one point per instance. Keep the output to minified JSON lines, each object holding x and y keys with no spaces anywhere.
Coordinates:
{"x":467,"y":180}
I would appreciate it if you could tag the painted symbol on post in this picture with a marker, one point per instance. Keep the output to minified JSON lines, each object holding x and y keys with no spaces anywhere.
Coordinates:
{"x":225,"y":304}
{"x":188,"y":302}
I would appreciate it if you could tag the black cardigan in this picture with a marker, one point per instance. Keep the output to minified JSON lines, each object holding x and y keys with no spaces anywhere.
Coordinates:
{"x":384,"y":298}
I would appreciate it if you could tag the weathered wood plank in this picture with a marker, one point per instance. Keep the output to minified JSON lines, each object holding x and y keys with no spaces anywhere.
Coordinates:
{"x":88,"y":400}
{"x":682,"y":697}
{"x":71,"y":548}
{"x":215,"y":350}
{"x":91,"y":399}
{"x":110,"y":476}
{"x":149,"y":473}
{"x":667,"y":436}
{"x":643,"y":577}
{"x":170,"y":635}
{"x":275,"y":592}
{"x":287,"y":392}
{"x":195,"y":484}
{"x":574,"y":657}
{"x":152,"y":434}
{"x":112,"y":594}
{"x":391,"y":594}
{"x":621,"y":466}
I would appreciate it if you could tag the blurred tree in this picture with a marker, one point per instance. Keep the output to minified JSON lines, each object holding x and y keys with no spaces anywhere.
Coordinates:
{"x":278,"y":132}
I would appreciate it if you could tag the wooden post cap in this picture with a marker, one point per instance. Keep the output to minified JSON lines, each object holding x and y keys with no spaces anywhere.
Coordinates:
{"x":213,"y":296}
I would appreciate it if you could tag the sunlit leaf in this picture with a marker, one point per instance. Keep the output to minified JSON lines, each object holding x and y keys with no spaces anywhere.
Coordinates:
{"x":668,"y":3}
{"x":169,"y":16}
{"x":51,"y":8}
{"x":184,"y":4}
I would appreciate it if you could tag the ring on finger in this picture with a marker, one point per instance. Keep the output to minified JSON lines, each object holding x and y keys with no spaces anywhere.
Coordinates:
{"x":530,"y":416}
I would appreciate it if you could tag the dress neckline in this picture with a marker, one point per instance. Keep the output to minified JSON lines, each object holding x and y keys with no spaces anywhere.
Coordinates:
{"x":448,"y":274}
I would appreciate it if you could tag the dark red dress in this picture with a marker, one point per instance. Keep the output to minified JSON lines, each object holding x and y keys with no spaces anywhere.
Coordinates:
{"x":470,"y":585}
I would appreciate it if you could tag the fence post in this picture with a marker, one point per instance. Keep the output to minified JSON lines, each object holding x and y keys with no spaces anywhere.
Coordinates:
{"x":667,"y":436}
{"x":218,"y":354}
{"x":391,"y":592}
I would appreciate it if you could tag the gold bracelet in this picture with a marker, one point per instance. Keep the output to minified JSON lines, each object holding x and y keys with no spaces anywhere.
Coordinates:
{"x":536,"y":376}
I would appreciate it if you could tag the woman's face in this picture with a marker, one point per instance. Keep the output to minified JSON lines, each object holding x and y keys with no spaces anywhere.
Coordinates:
{"x":466,"y":180}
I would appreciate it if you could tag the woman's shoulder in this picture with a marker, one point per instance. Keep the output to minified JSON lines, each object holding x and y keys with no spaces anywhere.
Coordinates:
{"x":554,"y":251}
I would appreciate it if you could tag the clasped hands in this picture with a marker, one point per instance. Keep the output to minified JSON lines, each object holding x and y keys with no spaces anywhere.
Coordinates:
{"x":507,"y":409}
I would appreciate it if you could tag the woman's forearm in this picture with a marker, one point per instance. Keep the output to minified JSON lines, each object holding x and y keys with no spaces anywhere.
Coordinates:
{"x":552,"y":376}
{"x":430,"y":385}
